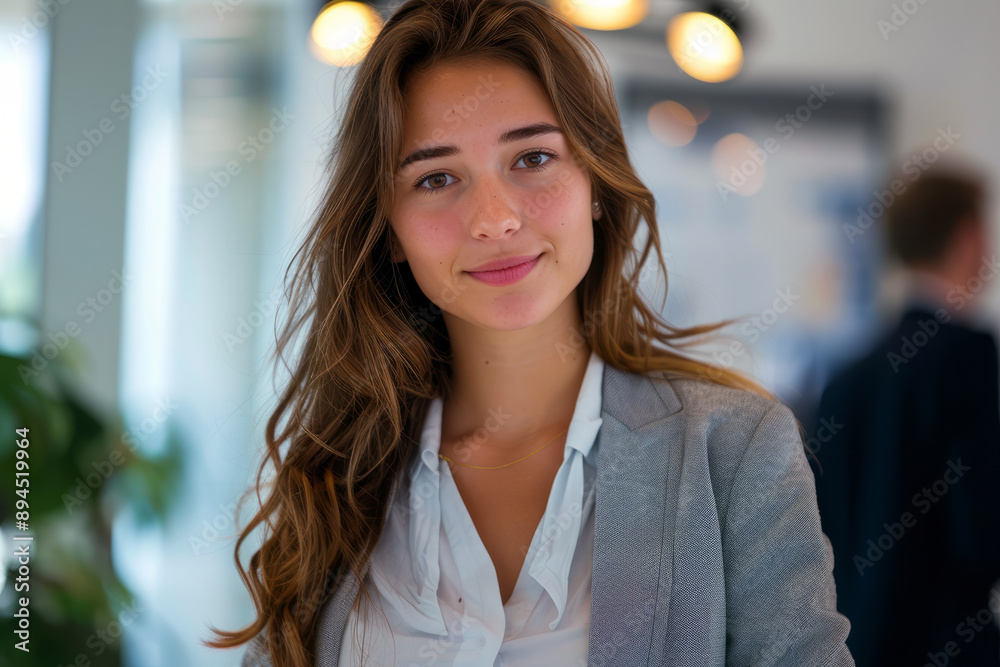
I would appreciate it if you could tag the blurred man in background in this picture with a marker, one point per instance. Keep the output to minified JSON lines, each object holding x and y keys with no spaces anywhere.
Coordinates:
{"x":908,"y":486}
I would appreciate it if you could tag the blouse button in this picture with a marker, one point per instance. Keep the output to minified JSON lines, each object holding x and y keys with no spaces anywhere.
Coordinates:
{"x":481,"y":642}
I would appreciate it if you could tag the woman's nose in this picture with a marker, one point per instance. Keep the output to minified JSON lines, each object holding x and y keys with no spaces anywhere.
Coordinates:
{"x":494,"y":210}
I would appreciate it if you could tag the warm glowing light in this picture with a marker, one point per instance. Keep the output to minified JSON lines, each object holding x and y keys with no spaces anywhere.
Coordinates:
{"x":739,"y":164}
{"x":602,"y":14}
{"x":704,"y":47}
{"x":671,"y":123}
{"x":343,"y":32}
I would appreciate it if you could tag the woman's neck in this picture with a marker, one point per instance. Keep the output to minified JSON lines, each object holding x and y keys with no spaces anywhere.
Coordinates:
{"x":510,"y":388}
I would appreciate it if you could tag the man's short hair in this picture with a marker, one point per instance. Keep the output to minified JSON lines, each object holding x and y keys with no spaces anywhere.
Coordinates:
{"x":922,"y":221}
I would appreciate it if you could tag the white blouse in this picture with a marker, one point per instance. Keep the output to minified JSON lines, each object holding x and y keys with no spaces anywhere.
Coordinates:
{"x":436,"y":583}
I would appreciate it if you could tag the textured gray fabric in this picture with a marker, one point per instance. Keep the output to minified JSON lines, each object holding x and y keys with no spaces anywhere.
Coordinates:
{"x":708,"y":550}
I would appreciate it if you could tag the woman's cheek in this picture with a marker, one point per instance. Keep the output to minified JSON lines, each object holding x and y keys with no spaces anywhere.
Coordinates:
{"x":436,"y":250}
{"x":562,"y":214}
{"x":439,"y":244}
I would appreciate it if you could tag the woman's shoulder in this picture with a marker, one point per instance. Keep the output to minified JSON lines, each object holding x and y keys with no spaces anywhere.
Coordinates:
{"x":718,"y":405}
{"x":739,"y":433}
{"x":726,"y":419}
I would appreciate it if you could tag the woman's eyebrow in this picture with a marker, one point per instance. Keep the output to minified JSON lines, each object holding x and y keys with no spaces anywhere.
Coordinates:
{"x":510,"y":136}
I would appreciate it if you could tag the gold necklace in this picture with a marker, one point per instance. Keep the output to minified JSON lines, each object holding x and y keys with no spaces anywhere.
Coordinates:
{"x":505,"y":464}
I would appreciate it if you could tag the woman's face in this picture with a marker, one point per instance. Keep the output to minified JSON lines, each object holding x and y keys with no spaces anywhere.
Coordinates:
{"x":481,"y":188}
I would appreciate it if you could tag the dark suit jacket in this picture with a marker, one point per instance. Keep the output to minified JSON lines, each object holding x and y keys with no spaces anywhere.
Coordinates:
{"x":908,"y":488}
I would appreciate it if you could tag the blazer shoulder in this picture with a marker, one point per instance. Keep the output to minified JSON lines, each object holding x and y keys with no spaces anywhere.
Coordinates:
{"x":717,"y":405}
{"x":730,"y":419}
{"x":721,"y":426}
{"x":640,"y":400}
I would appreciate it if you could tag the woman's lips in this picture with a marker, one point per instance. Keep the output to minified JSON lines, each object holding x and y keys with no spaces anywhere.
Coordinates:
{"x":507,"y":276}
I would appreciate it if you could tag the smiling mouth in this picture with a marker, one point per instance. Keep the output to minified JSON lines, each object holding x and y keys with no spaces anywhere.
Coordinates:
{"x":508,"y":275}
{"x":499,"y":265}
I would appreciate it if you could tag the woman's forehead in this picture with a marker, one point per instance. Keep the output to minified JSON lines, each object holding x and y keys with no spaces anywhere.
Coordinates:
{"x":454,"y":99}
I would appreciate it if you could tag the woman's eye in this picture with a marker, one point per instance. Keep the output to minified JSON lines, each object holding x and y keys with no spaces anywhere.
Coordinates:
{"x":532,"y":161}
{"x":437,"y":181}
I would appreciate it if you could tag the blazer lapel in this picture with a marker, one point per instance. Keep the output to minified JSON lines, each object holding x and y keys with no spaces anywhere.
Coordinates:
{"x":633,"y":528}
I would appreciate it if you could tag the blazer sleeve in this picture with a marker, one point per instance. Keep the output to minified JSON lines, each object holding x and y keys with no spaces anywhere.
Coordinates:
{"x":781,"y":600}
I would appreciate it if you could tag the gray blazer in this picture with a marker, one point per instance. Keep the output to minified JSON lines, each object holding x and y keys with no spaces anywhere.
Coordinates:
{"x":708,"y":550}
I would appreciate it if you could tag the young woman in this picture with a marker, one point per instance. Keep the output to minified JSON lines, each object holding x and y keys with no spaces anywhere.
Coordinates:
{"x":486,"y":460}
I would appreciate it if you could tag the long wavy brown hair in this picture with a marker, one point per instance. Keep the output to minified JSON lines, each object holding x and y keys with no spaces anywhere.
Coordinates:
{"x":376,"y":349}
